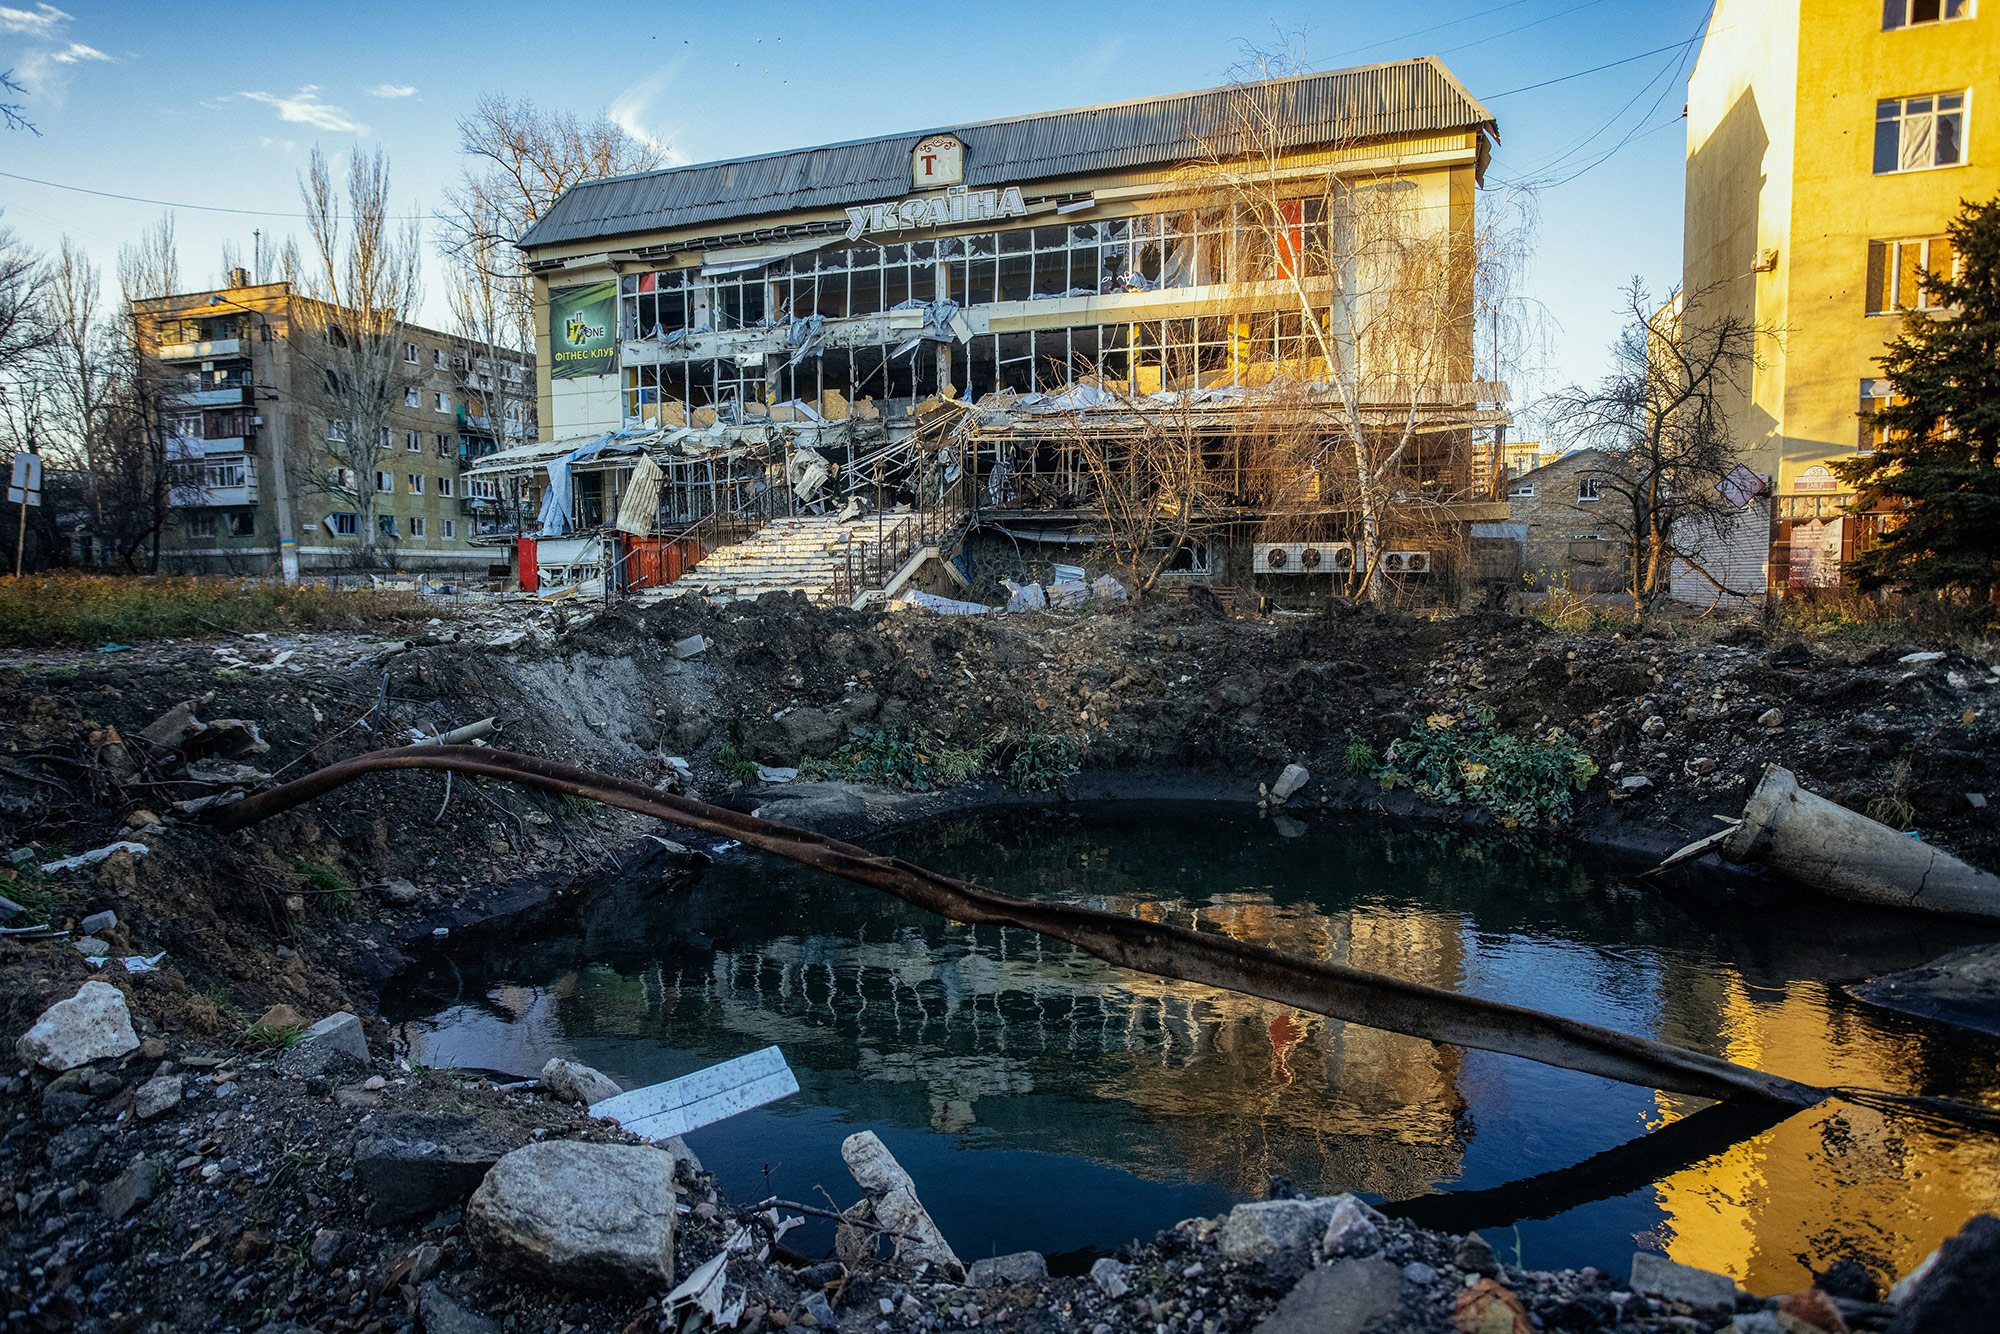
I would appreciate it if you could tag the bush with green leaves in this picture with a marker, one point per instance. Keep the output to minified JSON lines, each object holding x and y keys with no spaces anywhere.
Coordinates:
{"x":1360,"y":757}
{"x":1453,"y":758}
{"x":879,"y":755}
{"x":1043,"y":762}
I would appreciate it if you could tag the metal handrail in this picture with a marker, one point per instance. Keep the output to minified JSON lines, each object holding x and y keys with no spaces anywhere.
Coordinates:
{"x":870,"y":564}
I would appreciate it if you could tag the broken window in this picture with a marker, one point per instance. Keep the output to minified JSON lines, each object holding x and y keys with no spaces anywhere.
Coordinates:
{"x":1917,"y":133}
{"x":1912,"y":13}
{"x":1589,"y":488}
{"x":1896,"y":269}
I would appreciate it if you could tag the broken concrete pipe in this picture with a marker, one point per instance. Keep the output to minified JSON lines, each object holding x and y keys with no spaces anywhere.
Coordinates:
{"x":1824,"y":846}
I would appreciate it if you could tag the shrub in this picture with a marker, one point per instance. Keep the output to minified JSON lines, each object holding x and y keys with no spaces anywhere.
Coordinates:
{"x":742,"y":770}
{"x":878,"y":755}
{"x":328,"y":885}
{"x":1360,"y":757}
{"x":1451,"y":759}
{"x":1043,"y":762}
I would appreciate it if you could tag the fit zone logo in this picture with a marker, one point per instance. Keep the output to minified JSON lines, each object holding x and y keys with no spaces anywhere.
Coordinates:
{"x":577,"y":330}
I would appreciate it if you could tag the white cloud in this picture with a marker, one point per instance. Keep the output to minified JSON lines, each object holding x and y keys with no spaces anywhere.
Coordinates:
{"x":77,"y":51}
{"x":628,"y":111}
{"x":42,"y":21}
{"x":47,"y":53}
{"x":391,"y":91}
{"x":305,"y":108}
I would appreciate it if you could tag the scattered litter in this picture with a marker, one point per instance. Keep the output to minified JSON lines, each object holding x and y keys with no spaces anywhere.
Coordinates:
{"x":1932,"y":656}
{"x":703,"y":1289}
{"x":134,"y":963}
{"x":772,"y":774}
{"x":1068,"y":593}
{"x":226,"y":775}
{"x":114,"y":648}
{"x":689,"y":647}
{"x":1029,"y":597}
{"x":942,"y":606}
{"x":441,"y":932}
{"x":1108,"y":590}
{"x":94,"y":856}
{"x":460,"y":736}
{"x":661,"y":1111}
{"x":1069,"y":574}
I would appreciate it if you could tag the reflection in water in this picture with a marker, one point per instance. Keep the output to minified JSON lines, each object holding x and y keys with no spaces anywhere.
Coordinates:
{"x":1101,"y":1105}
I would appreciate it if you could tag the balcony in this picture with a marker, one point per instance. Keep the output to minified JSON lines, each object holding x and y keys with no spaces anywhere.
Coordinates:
{"x":214,"y":347}
{"x":221,"y":396}
{"x":231,"y":481}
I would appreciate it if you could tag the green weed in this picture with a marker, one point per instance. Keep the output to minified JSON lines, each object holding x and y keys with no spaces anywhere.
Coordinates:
{"x":742,"y":770}
{"x":1360,"y":757}
{"x":1452,"y":758}
{"x":1043,"y":762}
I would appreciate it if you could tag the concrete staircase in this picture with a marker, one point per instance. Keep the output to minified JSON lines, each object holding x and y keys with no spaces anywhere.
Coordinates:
{"x":806,"y":554}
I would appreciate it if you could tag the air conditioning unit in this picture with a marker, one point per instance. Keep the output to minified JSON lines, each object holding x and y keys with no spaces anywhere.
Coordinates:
{"x":1406,"y":562}
{"x":1327,"y":558}
{"x":1276,"y":557}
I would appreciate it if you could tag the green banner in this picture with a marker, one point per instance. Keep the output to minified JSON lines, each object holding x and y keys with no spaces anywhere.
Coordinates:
{"x":583,"y":330}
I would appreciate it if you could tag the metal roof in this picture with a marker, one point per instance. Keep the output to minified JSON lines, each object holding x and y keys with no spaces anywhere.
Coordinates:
{"x":1369,"y":102}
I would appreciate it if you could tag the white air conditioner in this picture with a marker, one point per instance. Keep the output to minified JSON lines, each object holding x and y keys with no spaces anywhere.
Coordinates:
{"x":1406,"y":562}
{"x":1326,"y":558}
{"x":1276,"y":557}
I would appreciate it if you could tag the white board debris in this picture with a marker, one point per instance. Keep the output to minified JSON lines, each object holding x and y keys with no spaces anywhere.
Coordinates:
{"x":661,"y":1111}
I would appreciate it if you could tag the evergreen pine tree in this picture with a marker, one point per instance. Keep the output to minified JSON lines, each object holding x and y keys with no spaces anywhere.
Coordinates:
{"x":1938,"y":472}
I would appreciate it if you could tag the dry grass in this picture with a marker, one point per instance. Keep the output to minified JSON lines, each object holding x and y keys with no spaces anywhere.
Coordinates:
{"x":94,"y":609}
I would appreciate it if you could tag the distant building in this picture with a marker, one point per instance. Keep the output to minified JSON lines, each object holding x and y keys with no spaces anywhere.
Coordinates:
{"x":1570,"y":531}
{"x":1829,"y":142}
{"x":251,"y":484}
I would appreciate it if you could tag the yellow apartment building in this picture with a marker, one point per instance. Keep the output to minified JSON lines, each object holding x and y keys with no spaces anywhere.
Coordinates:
{"x":1829,"y":143}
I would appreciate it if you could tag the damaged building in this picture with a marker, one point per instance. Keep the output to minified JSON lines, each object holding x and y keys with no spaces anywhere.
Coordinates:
{"x":1238,"y":323}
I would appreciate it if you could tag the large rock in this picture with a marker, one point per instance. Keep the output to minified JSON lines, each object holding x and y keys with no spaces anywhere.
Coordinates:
{"x":573,"y":1081}
{"x":1346,"y":1297}
{"x":440,"y":1313}
{"x":413,"y":1166}
{"x":1657,"y":1276}
{"x":1000,"y":1270}
{"x":92,"y":1025}
{"x":1952,"y":1286}
{"x":1294,"y":777}
{"x":1253,"y":1231}
{"x":593,"y":1216}
{"x":133,"y":1188}
{"x":335,"y":1041}
{"x":897,"y":1208}
{"x":157,"y":1096}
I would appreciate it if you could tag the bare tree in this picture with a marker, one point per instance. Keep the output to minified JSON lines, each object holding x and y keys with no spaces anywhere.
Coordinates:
{"x":78,"y":365}
{"x":24,"y":285}
{"x":1374,"y":293}
{"x":519,"y":160}
{"x":497,"y":339}
{"x":1153,"y":478}
{"x":148,"y":270}
{"x":1659,"y":420}
{"x":359,"y":288}
{"x":14,"y":115}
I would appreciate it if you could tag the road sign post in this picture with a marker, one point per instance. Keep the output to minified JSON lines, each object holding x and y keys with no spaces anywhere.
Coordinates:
{"x":25,"y":489}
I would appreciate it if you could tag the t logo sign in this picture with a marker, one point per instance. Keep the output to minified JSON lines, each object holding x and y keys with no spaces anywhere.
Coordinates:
{"x":938,"y":160}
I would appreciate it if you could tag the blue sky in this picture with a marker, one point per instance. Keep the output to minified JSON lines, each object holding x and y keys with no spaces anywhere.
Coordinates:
{"x":218,"y":105}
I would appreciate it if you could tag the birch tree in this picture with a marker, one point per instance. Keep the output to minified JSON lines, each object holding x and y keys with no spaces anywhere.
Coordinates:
{"x":1659,"y":419}
{"x":1378,"y":293}
{"x":357,"y":287}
